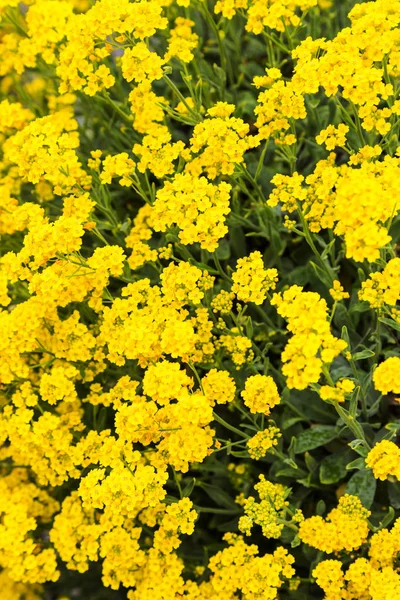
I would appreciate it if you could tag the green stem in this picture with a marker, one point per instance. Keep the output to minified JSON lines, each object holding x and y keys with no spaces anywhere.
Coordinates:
{"x":213,"y":25}
{"x":221,"y":421}
{"x":310,"y":242}
{"x":107,"y":98}
{"x":230,"y":445}
{"x":261,"y":161}
{"x":351,"y":423}
{"x":174,"y":88}
{"x":220,"y":269}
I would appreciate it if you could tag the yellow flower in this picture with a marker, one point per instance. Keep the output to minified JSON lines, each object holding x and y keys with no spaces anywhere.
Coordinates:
{"x":386,"y":376}
{"x":384,"y":460}
{"x":259,"y":444}
{"x":140,"y":64}
{"x":260,"y":394}
{"x":337,"y":292}
{"x":251,"y":282}
{"x":182,"y":41}
{"x":333,"y":136}
{"x":219,"y":387}
{"x":345,"y":527}
{"x":343,"y":388}
{"x":312,"y":345}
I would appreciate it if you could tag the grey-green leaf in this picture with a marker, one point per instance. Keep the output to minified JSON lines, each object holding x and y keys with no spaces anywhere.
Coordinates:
{"x":333,"y":469}
{"x":315,"y":437}
{"x":363,"y":485}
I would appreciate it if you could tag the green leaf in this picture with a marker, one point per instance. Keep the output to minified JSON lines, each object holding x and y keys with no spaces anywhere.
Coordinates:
{"x":237,"y":242}
{"x":289,"y":472}
{"x":320,"y":273}
{"x":295,"y":542}
{"x":292,"y":449}
{"x":358,"y":463}
{"x":223,"y":251}
{"x":288,"y":422}
{"x":277,"y":242}
{"x":359,"y":446}
{"x":359,"y":307}
{"x":313,"y":102}
{"x":363,"y":354}
{"x":393,"y":426}
{"x":390,"y":323}
{"x":345,"y":335}
{"x":219,"y":496}
{"x":361,"y":274}
{"x":188,"y":489}
{"x":220,"y":74}
{"x":353,"y":405}
{"x":102,"y":419}
{"x":315,"y":437}
{"x":320,"y":508}
{"x":333,"y":469}
{"x":363,"y":485}
{"x":310,"y":461}
{"x":388,"y":518}
{"x":249,"y":328}
{"x":239,"y":453}
{"x":394,"y":494}
{"x":245,"y":103}
{"x":327,"y":249}
{"x":310,"y":406}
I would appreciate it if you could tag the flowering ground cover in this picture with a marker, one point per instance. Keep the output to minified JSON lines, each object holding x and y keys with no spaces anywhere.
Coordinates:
{"x":199,"y":287}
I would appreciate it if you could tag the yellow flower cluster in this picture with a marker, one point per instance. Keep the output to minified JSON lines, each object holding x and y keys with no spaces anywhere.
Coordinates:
{"x":80,"y":65}
{"x":157,"y":153}
{"x":373,"y":578}
{"x":312,"y":345}
{"x":276,"y":14}
{"x":223,"y":302}
{"x":386,"y":376}
{"x":343,"y":388}
{"x":238,"y":568}
{"x":343,"y":194}
{"x":260,"y":394}
{"x":237,"y":346}
{"x":156,"y":305}
{"x":196,"y":206}
{"x":344,"y":199}
{"x":251,"y":282}
{"x":45,"y":148}
{"x":184,"y":284}
{"x":146,"y":109}
{"x":165,"y":381}
{"x":219,"y":387}
{"x":268,"y":512}
{"x":23,"y":507}
{"x":259,"y":444}
{"x":276,"y":107}
{"x":332,"y":136}
{"x":182,"y":41}
{"x":382,"y":288}
{"x":140,"y":64}
{"x":345,"y":527}
{"x":384,"y":460}
{"x":119,"y":165}
{"x":13,"y":116}
{"x":337,"y":292}
{"x":138,"y":239}
{"x":219,"y":142}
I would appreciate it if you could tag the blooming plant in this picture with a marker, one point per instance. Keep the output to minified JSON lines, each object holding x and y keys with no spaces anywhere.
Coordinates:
{"x":199,"y":300}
